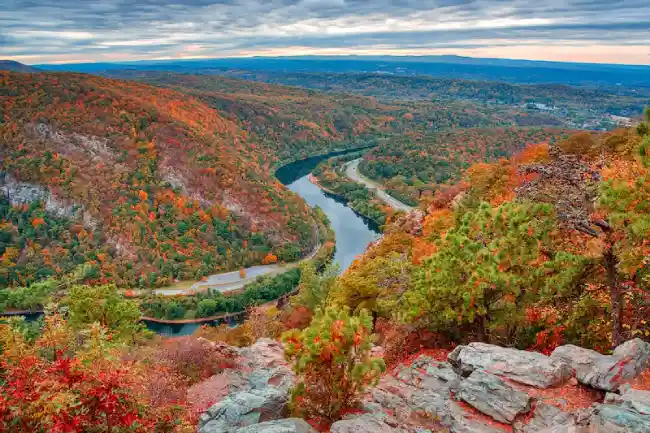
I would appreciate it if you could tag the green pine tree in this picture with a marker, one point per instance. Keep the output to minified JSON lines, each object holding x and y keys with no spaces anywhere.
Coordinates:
{"x":486,"y":269}
{"x":332,"y":361}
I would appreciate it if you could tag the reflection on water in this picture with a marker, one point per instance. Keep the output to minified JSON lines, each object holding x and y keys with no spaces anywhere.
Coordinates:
{"x":179,"y":330}
{"x":353,"y":232}
{"x":171,"y":330}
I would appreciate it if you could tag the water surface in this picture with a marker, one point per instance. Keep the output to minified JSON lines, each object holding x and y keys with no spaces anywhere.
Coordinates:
{"x":353,"y":232}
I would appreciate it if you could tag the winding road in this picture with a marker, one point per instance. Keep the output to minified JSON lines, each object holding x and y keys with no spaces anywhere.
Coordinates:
{"x":232,"y":281}
{"x":352,"y":172}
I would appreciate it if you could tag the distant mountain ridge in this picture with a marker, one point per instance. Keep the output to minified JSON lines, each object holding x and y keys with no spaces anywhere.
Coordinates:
{"x":515,"y":71}
{"x":10,"y":65}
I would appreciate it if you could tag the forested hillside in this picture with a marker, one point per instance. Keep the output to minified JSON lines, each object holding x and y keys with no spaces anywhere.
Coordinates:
{"x":414,"y":165}
{"x":295,"y":122}
{"x":623,"y":101}
{"x":148,"y":185}
{"x":577,"y":107}
{"x":547,"y":247}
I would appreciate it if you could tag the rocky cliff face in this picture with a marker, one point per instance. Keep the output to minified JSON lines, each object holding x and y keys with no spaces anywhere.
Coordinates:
{"x":256,"y":391}
{"x":19,"y":193}
{"x":481,"y":388}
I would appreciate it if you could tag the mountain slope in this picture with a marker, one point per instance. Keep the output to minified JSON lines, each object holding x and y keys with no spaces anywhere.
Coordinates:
{"x":419,"y":163}
{"x":292,"y":123}
{"x":159,"y":186}
{"x":10,"y":65}
{"x":547,"y":247}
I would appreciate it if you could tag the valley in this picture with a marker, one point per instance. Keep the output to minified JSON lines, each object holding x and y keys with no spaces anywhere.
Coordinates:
{"x":353,"y":234}
{"x":357,"y":251}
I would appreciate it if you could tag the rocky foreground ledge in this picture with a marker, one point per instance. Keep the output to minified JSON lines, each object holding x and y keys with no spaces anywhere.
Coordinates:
{"x":481,"y":388}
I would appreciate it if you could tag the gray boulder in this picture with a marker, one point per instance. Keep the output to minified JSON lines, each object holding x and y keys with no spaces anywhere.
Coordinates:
{"x":609,"y":418}
{"x":243,"y":409}
{"x":547,"y":419}
{"x":635,"y":399}
{"x":529,"y":368}
{"x":414,"y":398}
{"x":424,"y":386}
{"x":628,"y":412}
{"x":256,"y":391}
{"x":636,"y":353}
{"x":427,"y":373}
{"x":492,"y":396}
{"x":265,"y":365}
{"x":288,"y":425}
{"x":377,"y":422}
{"x":606,"y":372}
{"x":459,"y":421}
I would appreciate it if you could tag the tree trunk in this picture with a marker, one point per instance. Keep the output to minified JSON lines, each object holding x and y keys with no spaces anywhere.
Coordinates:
{"x":616,"y":295}
{"x":481,"y":329}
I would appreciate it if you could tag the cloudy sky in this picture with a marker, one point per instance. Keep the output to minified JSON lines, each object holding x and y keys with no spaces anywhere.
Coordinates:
{"x":46,"y":31}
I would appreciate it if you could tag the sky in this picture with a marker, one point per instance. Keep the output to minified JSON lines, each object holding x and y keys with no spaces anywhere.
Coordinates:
{"x":66,"y":31}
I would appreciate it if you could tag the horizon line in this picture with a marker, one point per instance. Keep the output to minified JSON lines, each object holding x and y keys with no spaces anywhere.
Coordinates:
{"x":342,"y":56}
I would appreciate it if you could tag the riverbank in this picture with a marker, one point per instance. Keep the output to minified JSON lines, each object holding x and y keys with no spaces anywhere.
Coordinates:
{"x":235,"y":281}
{"x":314,"y":180}
{"x":11,"y":313}
{"x":353,"y":173}
{"x":221,"y":317}
{"x":225,"y":317}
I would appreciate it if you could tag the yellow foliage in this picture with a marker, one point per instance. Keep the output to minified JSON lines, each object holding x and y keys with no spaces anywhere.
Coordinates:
{"x":494,"y":182}
{"x":533,"y":154}
{"x":580,"y":144}
{"x":14,"y":346}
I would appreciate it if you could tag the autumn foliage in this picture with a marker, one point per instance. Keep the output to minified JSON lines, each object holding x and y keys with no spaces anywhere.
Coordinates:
{"x":144,"y":181}
{"x":332,"y":360}
{"x":544,"y":248}
{"x":63,"y":383}
{"x":416,"y":164}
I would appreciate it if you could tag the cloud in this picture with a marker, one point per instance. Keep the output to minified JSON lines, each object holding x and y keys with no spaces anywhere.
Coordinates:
{"x":39,"y":31}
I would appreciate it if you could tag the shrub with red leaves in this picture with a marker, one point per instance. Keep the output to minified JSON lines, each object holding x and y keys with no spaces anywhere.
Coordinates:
{"x":70,"y":383}
{"x":402,"y":341}
{"x":194,"y":358}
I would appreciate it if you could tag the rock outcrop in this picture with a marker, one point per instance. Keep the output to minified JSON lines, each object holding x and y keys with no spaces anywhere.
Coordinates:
{"x":492,"y":396}
{"x":606,"y":372}
{"x":481,"y":388}
{"x":487,"y":389}
{"x":367,"y":423}
{"x":547,"y":418}
{"x":289,"y":425}
{"x":19,"y":193}
{"x":256,"y":391}
{"x":529,"y":368}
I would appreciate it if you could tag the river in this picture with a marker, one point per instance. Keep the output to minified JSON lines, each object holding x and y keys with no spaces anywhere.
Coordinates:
{"x":353,"y":231}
